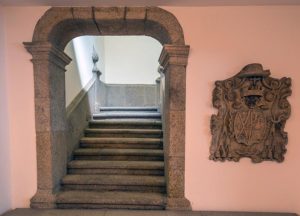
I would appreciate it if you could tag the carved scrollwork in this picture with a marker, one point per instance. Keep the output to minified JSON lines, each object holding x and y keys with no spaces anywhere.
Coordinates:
{"x":252,"y":112}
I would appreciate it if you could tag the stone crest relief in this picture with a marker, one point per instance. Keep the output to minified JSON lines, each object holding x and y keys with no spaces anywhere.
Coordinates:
{"x":252,"y":112}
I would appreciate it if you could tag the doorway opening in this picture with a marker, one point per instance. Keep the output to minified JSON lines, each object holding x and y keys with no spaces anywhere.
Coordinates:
{"x":117,"y":159}
{"x":127,"y":65}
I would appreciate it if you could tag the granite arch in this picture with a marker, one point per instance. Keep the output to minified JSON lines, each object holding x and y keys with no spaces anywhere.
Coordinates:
{"x":53,"y":31}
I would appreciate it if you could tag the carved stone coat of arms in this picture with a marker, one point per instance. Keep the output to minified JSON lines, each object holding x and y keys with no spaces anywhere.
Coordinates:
{"x":252,"y":112}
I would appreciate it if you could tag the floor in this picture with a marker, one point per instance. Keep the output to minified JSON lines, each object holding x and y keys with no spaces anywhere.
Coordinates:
{"x":56,"y":212}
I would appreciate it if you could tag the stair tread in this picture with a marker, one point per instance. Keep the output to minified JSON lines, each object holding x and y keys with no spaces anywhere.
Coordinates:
{"x":118,"y":108}
{"x":126,"y":121}
{"x":85,"y":164}
{"x":130,"y":152}
{"x":119,"y":180}
{"x":123,"y":131}
{"x":121,"y":113}
{"x":113,"y":197}
{"x":113,"y":114}
{"x":119,"y":140}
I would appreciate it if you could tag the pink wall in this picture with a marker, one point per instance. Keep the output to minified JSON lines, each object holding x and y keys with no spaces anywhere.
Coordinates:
{"x":5,"y":196}
{"x":21,"y":22}
{"x":223,"y":40}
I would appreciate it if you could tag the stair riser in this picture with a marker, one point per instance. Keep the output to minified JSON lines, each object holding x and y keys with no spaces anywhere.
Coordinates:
{"x":124,"y":126}
{"x":121,"y":140}
{"x":129,"y":109}
{"x":107,"y":206}
{"x":125,"y":135}
{"x":156,"y":172}
{"x":104,"y":117}
{"x":131,"y":188}
{"x":122,"y":145}
{"x":119,"y":158}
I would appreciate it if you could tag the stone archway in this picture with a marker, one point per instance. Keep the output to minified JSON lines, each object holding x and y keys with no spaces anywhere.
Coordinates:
{"x":52,"y":32}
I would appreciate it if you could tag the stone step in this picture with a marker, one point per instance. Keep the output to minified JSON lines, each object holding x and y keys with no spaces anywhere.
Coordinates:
{"x":119,"y":154}
{"x":126,"y":115}
{"x":136,"y":133}
{"x":110,"y":200}
{"x":114,"y":183}
{"x":135,"y":109}
{"x":126,"y":124}
{"x":116,"y":167}
{"x":126,"y":143}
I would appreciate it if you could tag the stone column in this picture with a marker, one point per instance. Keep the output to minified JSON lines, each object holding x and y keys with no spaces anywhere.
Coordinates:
{"x":174,"y":60}
{"x":50,"y":120}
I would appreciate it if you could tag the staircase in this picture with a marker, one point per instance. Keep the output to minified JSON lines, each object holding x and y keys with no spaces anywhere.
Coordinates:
{"x":119,"y":164}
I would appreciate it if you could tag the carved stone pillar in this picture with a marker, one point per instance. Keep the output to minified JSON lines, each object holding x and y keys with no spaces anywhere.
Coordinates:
{"x":174,"y":60}
{"x":50,"y":119}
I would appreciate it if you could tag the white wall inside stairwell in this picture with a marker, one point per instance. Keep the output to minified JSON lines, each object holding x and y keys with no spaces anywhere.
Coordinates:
{"x":5,"y":183}
{"x":122,"y":60}
{"x":79,"y":71}
{"x":131,"y":59}
{"x":100,"y":49}
{"x":73,"y":82}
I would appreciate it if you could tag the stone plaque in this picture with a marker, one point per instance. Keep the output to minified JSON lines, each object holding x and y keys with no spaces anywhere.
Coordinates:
{"x":252,"y":111}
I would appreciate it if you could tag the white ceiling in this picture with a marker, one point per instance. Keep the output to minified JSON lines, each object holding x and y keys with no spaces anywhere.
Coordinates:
{"x":145,"y":2}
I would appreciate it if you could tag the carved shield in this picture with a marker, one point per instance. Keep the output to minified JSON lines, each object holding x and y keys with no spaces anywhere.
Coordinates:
{"x":252,"y":112}
{"x":250,"y":127}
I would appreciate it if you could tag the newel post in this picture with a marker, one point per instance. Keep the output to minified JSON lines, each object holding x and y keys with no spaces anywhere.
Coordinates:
{"x":50,"y":120}
{"x":159,"y":88}
{"x":174,"y":60}
{"x":96,"y":73}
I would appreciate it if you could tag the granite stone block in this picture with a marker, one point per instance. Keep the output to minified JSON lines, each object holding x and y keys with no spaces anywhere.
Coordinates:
{"x":181,"y":204}
{"x":41,"y":80}
{"x":176,"y":145}
{"x":168,"y":22}
{"x":43,"y":199}
{"x":59,"y":159}
{"x":175,"y":176}
{"x":83,"y":18}
{"x":42,"y":114}
{"x":177,"y":86}
{"x":44,"y":158}
{"x":135,"y":13}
